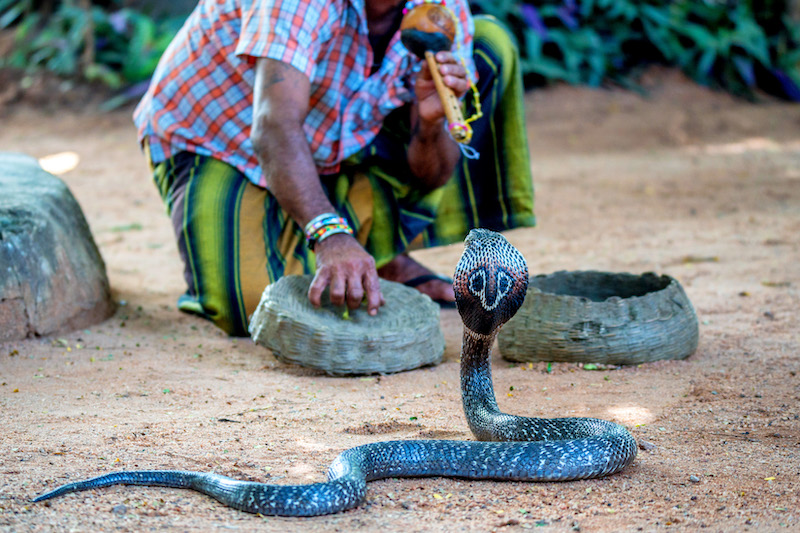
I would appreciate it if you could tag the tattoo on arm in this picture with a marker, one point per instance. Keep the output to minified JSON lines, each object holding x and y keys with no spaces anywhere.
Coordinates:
{"x":276,"y":74}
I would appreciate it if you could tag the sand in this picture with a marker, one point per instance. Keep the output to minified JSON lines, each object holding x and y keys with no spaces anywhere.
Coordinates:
{"x":685,"y":181}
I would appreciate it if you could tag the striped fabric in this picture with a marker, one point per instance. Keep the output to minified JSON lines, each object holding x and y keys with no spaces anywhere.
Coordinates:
{"x":200,"y":97}
{"x":235,"y":239}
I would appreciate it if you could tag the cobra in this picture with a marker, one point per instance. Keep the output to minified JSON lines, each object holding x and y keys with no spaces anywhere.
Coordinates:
{"x":490,"y":283}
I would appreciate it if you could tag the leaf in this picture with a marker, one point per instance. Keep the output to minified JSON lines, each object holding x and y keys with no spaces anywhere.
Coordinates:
{"x":745,"y":68}
{"x":11,"y":14}
{"x":104,"y":74}
{"x":703,"y":37}
{"x":550,"y":69}
{"x":706,"y":63}
{"x":656,"y":16}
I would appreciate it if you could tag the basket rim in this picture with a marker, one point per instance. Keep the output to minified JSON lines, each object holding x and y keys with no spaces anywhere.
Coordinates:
{"x":668,"y":282}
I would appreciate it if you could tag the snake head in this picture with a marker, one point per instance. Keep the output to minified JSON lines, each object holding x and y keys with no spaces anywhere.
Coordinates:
{"x":490,"y":281}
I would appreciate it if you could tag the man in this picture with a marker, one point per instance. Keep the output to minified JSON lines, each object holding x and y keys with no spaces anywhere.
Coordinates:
{"x":292,"y":136}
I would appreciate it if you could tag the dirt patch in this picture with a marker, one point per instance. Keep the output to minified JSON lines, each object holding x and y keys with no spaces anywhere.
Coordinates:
{"x":685,"y":182}
{"x":392,"y":426}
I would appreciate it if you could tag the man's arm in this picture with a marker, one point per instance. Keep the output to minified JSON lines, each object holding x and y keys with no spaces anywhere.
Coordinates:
{"x":280,"y":105}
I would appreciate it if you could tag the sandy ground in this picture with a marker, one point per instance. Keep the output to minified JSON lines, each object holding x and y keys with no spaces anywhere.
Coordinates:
{"x":686,"y":182}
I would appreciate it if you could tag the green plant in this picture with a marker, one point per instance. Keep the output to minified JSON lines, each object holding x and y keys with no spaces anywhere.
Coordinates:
{"x":82,"y":40}
{"x":736,"y":45}
{"x":732,"y":44}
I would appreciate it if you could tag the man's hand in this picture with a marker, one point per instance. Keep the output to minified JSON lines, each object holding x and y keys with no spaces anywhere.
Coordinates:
{"x":432,"y":153}
{"x":349,"y":270}
{"x":280,"y":104}
{"x":454,"y":76}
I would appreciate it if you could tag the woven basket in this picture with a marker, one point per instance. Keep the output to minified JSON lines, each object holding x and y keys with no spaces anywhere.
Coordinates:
{"x":600,"y":317}
{"x":404,"y":335}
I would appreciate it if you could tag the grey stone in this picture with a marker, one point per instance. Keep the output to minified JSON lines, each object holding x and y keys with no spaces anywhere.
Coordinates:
{"x":52,"y":277}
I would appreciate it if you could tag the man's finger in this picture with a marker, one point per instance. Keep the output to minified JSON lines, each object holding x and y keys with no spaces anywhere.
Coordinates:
{"x":318,"y":285}
{"x":355,"y":292}
{"x":374,"y":295}
{"x":445,"y":57}
{"x":453,"y":69}
{"x":338,"y":287}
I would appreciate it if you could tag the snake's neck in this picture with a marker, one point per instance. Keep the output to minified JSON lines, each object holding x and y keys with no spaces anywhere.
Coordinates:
{"x":477,"y":391}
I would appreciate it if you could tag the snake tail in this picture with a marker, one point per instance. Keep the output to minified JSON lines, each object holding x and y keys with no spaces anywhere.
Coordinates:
{"x":282,"y":500}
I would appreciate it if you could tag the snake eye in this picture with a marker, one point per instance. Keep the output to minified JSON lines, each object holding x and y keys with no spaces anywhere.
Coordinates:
{"x":504,"y":283}
{"x":477,"y":283}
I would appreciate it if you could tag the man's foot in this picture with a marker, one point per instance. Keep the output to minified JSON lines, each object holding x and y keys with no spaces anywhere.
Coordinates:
{"x":404,"y":269}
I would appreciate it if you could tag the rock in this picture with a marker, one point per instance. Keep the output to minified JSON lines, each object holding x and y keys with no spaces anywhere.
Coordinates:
{"x":119,"y":509}
{"x":52,"y":277}
{"x":646,"y":446}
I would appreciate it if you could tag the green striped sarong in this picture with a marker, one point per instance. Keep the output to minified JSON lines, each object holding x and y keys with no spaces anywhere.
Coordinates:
{"x":235,"y":239}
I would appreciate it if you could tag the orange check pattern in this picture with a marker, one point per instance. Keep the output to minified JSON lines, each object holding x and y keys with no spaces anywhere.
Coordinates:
{"x":201,"y":95}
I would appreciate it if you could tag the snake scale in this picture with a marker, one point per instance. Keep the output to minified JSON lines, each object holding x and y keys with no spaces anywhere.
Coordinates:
{"x":490,"y":283}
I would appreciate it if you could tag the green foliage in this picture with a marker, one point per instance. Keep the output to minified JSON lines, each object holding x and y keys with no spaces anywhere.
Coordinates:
{"x":736,"y":45}
{"x":82,"y":40}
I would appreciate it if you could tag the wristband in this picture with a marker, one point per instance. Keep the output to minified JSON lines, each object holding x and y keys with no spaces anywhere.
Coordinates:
{"x":318,"y":221}
{"x":327,"y":231}
{"x":323,"y":226}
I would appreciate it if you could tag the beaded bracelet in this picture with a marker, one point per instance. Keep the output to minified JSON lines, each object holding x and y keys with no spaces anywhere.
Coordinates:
{"x":321,"y":220}
{"x":323,"y":226}
{"x":327,"y":231}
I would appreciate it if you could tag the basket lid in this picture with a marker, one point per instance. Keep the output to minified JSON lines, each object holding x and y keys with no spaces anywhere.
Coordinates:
{"x":405,"y":334}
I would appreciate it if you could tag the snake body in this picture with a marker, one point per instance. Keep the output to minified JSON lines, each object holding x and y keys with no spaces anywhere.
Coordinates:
{"x":490,"y":284}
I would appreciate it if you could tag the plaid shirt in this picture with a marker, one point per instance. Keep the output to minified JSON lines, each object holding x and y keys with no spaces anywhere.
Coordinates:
{"x":201,"y":95}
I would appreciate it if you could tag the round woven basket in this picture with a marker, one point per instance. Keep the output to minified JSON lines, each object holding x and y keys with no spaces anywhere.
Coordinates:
{"x":601,"y":317}
{"x":405,"y":334}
